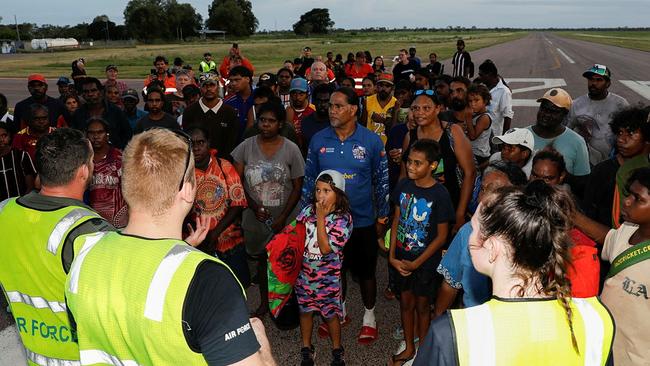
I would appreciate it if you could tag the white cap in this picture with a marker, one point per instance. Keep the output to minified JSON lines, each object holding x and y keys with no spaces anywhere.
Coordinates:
{"x":516,"y":136}
{"x":337,"y":178}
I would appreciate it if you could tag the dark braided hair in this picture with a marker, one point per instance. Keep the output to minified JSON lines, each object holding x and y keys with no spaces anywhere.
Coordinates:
{"x":535,"y":220}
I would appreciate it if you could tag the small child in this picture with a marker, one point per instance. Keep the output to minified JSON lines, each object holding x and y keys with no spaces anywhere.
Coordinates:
{"x":328,"y":224}
{"x":478,"y":132}
{"x":423,"y":210}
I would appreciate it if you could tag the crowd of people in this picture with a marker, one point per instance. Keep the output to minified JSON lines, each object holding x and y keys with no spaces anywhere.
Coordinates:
{"x":482,"y":224}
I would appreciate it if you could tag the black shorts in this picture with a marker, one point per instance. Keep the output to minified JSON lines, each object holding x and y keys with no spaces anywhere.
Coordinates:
{"x":360,"y":252}
{"x":422,"y":282}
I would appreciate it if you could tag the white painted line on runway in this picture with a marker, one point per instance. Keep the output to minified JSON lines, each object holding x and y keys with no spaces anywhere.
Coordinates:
{"x":565,"y":56}
{"x":640,"y":87}
{"x":525,"y":103}
{"x":543,"y":85}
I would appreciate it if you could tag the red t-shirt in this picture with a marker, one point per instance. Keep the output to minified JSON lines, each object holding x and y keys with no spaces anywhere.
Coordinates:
{"x":217,"y":189}
{"x":584,"y":271}
{"x":298,"y":116}
{"x":105,"y":191}
{"x":25,"y":141}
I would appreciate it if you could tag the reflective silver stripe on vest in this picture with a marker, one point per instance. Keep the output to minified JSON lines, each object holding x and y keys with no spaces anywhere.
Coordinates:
{"x":153,"y":308}
{"x":480,"y":335}
{"x":594,"y":332}
{"x":95,"y":356}
{"x":35,"y":301}
{"x":64,"y":225}
{"x":49,"y":361}
{"x":4,"y":203}
{"x":89,"y":243}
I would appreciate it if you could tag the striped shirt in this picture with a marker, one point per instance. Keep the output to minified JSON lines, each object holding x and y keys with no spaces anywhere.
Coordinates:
{"x":14,"y":166}
{"x":460,"y":61}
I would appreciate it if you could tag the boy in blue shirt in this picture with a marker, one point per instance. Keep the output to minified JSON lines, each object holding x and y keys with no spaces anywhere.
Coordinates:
{"x":423,"y":210}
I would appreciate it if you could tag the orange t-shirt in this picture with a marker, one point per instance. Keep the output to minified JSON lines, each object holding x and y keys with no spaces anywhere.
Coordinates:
{"x":358,"y":73}
{"x":217,"y":189}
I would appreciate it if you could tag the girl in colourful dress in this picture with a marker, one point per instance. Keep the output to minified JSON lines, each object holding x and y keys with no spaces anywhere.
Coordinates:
{"x":328,"y":224}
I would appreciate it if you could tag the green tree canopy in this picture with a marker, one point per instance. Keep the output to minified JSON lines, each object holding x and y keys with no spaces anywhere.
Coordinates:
{"x":182,"y":19}
{"x":233,"y":16}
{"x":145,"y":20}
{"x":160,"y":19}
{"x":316,"y":21}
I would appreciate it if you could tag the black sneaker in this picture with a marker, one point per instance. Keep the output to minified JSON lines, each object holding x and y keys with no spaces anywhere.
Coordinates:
{"x":307,"y":356}
{"x":337,"y":357}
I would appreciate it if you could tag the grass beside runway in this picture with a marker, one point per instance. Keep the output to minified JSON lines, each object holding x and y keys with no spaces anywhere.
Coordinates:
{"x":638,"y":40}
{"x":267,"y":53}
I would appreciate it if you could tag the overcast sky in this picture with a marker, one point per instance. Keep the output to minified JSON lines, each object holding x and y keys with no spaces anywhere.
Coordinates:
{"x":281,"y":14}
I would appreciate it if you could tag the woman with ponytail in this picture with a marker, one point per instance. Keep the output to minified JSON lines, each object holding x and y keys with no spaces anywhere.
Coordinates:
{"x":520,"y":239}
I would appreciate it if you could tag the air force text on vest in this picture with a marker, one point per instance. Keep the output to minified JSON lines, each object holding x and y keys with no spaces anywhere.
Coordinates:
{"x":59,"y":333}
{"x":241,"y":330}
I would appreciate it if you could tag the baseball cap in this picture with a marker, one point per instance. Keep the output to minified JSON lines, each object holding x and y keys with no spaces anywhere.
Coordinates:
{"x":63,"y":81}
{"x":36,"y":77}
{"x":299,"y":84}
{"x":208,"y":78}
{"x":111,"y":67}
{"x":598,"y":69}
{"x":559,"y":97}
{"x":267,"y":78}
{"x":385,"y":78}
{"x":337,"y":178}
{"x":516,"y":136}
{"x":131,"y":93}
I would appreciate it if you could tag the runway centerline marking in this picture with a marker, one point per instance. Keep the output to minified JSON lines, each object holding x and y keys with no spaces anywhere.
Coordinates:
{"x":565,"y":56}
{"x":640,"y":87}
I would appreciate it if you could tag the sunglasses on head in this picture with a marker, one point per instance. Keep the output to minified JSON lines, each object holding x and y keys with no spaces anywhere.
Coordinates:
{"x":428,"y":92}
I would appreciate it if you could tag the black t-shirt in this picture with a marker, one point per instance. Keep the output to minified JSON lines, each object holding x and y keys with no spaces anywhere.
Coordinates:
{"x":310,"y":125}
{"x":403,"y":72}
{"x":421,"y":210}
{"x":215,"y":317}
{"x":21,"y":112}
{"x":435,"y":68}
{"x":599,"y":192}
{"x":145,"y":123}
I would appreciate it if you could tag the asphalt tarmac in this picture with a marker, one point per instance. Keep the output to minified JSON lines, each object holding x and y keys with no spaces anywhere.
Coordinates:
{"x":531,"y":65}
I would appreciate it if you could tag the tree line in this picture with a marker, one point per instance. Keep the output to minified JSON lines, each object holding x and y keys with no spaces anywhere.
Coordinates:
{"x":148,"y":20}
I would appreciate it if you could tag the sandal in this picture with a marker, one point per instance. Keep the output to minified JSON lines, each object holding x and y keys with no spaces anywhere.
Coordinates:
{"x":388,"y":294}
{"x":402,"y":361}
{"x":367,"y":335}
